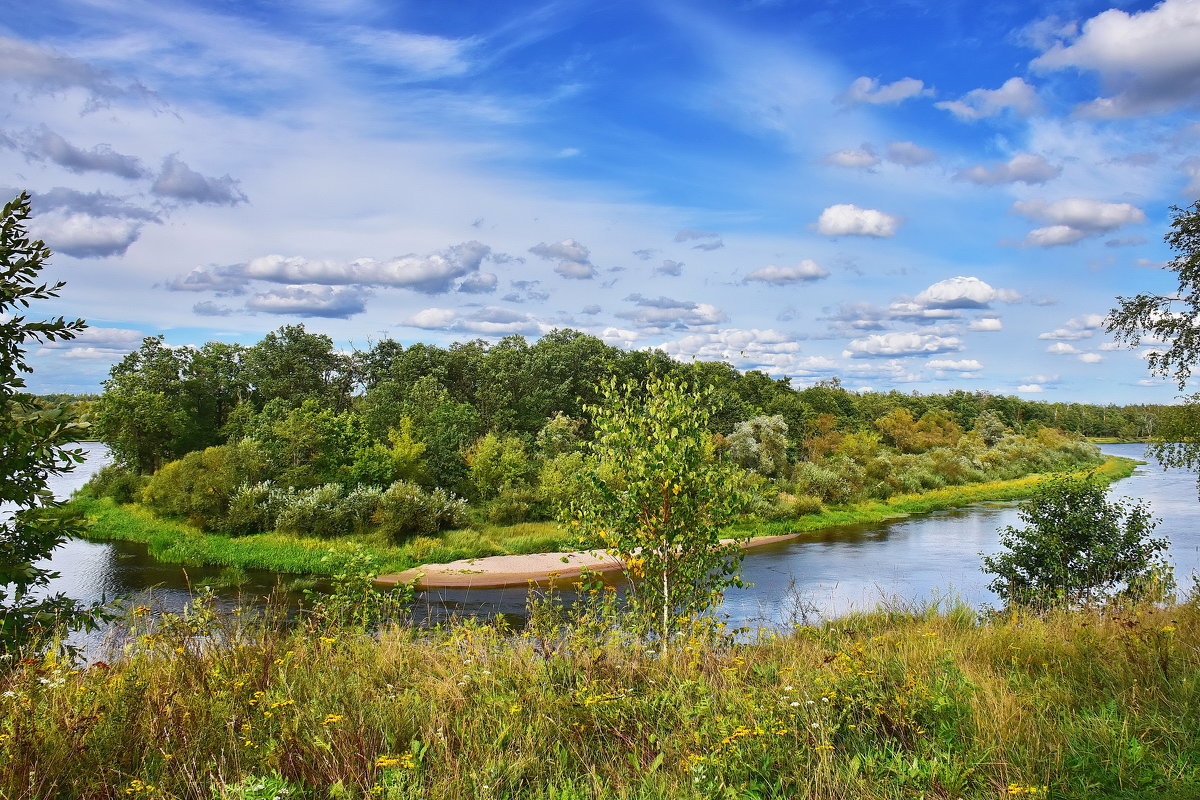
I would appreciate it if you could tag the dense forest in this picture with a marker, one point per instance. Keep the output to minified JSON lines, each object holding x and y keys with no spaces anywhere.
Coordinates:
{"x":292,"y":435}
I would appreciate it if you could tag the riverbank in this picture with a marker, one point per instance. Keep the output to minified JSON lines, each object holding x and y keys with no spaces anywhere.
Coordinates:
{"x":176,"y":542}
{"x":882,"y":706}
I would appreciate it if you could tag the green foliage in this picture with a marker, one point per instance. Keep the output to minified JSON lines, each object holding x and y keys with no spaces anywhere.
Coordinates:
{"x":328,"y":511}
{"x":657,"y":495}
{"x":406,"y":509}
{"x":1078,"y":548}
{"x":32,"y":448}
{"x":760,"y":444}
{"x":497,"y":463}
{"x":121,"y":483}
{"x":200,"y":485}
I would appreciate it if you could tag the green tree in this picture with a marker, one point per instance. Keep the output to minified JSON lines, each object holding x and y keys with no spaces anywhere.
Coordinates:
{"x":655,"y":492}
{"x":497,"y":462}
{"x":760,"y":444}
{"x":1078,"y":547}
{"x":32,"y":448}
{"x":1170,"y":318}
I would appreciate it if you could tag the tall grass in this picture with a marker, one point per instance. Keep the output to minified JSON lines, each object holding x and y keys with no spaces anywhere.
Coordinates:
{"x":922,"y":703}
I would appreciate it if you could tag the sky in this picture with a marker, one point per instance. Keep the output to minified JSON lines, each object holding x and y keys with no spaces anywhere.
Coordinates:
{"x":916,"y":196}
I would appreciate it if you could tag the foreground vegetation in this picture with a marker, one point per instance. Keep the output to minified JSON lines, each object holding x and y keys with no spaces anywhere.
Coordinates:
{"x":893,"y":704}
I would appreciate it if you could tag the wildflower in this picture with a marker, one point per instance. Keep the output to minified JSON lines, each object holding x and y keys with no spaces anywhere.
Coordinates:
{"x":333,"y":719}
{"x":141,"y":611}
{"x":387,"y":761}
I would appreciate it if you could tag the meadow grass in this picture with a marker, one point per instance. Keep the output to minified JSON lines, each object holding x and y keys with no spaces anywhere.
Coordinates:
{"x":176,"y":541}
{"x":924,"y":703}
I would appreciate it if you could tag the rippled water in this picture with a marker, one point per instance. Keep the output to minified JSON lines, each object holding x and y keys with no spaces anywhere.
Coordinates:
{"x":913,"y":560}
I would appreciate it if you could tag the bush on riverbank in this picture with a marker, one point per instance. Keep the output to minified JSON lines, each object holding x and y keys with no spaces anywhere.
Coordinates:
{"x":895,"y":704}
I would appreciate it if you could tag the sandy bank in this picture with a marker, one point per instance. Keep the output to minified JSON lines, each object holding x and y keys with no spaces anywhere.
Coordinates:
{"x":539,"y":569}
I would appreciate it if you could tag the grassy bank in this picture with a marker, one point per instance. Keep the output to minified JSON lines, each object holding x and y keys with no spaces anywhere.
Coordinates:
{"x":177,"y":542}
{"x":888,"y":705}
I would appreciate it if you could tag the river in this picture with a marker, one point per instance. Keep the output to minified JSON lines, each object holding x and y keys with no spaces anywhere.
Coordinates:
{"x":905,"y":562}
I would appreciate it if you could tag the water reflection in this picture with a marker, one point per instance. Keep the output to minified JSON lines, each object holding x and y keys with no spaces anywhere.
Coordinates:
{"x":914,"y":560}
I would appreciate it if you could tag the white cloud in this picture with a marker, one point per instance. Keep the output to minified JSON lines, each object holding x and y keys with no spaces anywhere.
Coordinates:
{"x":962,"y":292}
{"x":862,"y":158}
{"x":488,"y":321}
{"x":1021,"y":168}
{"x":909,"y":154}
{"x":1030,"y":388}
{"x":44,"y":70}
{"x":46,"y":144}
{"x":1091,"y":358}
{"x":985,"y":324}
{"x":85,"y":236}
{"x":850,"y":220}
{"x":963,"y":365}
{"x":868,"y":90}
{"x":424,"y":56}
{"x":1191,"y":170}
{"x":619,"y":337}
{"x":311,"y":300}
{"x":900,"y":344}
{"x":573,"y":258}
{"x":1062,"y":349}
{"x":1014,"y":94}
{"x":804,"y":272}
{"x":666,"y":313}
{"x":1081,"y":327}
{"x":669,"y":267}
{"x":1074,"y":219}
{"x":1053,"y":236}
{"x":180,"y":182}
{"x":1148,"y":60}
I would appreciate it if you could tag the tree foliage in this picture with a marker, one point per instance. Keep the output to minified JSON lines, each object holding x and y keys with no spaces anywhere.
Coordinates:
{"x":1078,"y":547}
{"x":656,"y":493}
{"x":1175,"y":319}
{"x":32,"y":447}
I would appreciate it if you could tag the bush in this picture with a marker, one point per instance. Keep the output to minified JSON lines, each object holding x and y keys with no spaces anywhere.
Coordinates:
{"x":253,"y":508}
{"x":324,"y":511}
{"x":406,"y":509}
{"x":200,"y":485}
{"x":122,"y":484}
{"x":514,"y":505}
{"x":1079,"y":548}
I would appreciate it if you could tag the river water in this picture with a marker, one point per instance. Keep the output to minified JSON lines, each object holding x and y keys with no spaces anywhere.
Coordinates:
{"x":910,"y":561}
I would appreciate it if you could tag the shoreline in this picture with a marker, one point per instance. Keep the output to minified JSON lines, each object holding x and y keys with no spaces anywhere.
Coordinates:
{"x":548,"y":569}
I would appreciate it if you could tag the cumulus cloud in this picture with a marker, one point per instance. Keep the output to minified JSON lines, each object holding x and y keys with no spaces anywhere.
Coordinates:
{"x":862,"y":158}
{"x":962,"y":365}
{"x":1030,"y":388}
{"x":1015,"y":95}
{"x":669,"y":267}
{"x":1062,"y":349}
{"x":868,"y":90}
{"x":95,"y":342}
{"x":881,"y":345}
{"x":962,"y":292}
{"x":591,"y":310}
{"x":1191,"y":170}
{"x":1091,"y":358}
{"x":85,"y":236}
{"x":573,"y":258}
{"x":1075,"y":218}
{"x":434,"y":273}
{"x":210,"y":308}
{"x":1021,"y":168}
{"x":849,"y":220}
{"x":1147,"y":60}
{"x":909,"y":154}
{"x":1081,"y":327}
{"x":95,"y":204}
{"x":526,"y":292}
{"x":666,"y":313}
{"x":774,"y":352}
{"x":178,"y":181}
{"x":45,"y":144}
{"x":488,"y":321}
{"x":985,"y":324}
{"x":311,"y":300}
{"x":804,"y":272}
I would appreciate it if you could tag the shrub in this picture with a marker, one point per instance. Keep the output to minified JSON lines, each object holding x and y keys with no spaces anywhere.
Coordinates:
{"x":199,"y":485}
{"x":122,"y":484}
{"x":324,"y":511}
{"x":405,"y":509}
{"x":1078,"y":548}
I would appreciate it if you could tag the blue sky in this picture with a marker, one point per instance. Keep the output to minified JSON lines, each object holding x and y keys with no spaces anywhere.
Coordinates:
{"x":910,"y":195}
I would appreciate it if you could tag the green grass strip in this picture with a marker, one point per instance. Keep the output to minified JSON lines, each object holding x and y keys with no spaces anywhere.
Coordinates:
{"x":177,"y":542}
